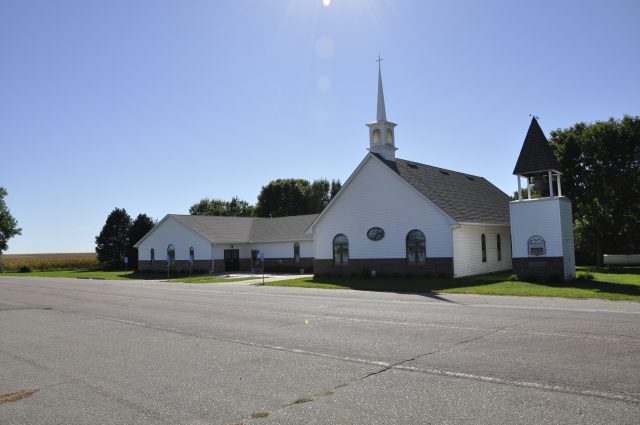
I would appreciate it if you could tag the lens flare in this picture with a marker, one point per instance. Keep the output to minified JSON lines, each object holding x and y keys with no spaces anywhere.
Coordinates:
{"x":326,"y":3}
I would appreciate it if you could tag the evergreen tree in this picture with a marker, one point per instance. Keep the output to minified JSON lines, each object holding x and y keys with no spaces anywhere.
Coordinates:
{"x":140,"y":227}
{"x":113,"y":241}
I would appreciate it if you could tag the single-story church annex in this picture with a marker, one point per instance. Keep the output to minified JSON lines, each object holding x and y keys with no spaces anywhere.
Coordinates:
{"x":392,"y":216}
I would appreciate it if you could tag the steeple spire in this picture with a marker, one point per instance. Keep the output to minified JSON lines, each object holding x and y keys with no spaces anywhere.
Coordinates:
{"x":382,"y":113}
{"x":381,"y":140}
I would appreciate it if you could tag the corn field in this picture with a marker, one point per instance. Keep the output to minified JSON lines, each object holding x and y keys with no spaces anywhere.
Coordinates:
{"x":45,"y":262}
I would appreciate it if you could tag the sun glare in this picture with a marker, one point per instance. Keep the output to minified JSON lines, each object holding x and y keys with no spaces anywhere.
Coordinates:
{"x":326,"y":2}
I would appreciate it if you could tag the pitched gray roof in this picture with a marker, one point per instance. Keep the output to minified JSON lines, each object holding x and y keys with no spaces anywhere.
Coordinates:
{"x":536,"y":154}
{"x":466,"y":198}
{"x":249,"y":229}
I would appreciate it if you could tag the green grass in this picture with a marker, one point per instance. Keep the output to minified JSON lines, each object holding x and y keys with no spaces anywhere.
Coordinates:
{"x":209,"y":279}
{"x":122,"y":275}
{"x":614,"y":284}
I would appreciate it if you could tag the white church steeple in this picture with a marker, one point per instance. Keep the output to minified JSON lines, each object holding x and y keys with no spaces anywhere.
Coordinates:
{"x":381,"y":138}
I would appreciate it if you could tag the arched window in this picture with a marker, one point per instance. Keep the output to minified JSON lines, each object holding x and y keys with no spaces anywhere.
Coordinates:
{"x":389,"y":137}
{"x":171,"y":253}
{"x":340,"y":250}
{"x":484,"y":248}
{"x":536,"y":246}
{"x":376,"y":137}
{"x":416,"y":247}
{"x":192,"y":254}
{"x":499,"y":245}
{"x":296,"y":252}
{"x":153,"y":255}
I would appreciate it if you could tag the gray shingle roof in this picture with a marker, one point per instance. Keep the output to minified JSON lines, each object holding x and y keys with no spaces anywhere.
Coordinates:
{"x":536,"y":154}
{"x":246,"y":229}
{"x":466,"y":198}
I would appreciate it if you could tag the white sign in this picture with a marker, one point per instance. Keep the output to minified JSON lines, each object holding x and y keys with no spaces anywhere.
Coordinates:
{"x":262,"y":257}
{"x":191,"y":258}
{"x":536,"y":246}
{"x":126,"y":260}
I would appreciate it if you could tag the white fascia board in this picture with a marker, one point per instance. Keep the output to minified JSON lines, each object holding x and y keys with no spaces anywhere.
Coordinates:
{"x":466,"y":223}
{"x":137,"y":244}
{"x":166,"y":217}
{"x":366,"y":159}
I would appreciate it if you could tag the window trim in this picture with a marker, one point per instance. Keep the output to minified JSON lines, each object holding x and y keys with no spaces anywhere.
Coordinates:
{"x":483,"y":241}
{"x":296,"y":252}
{"x":171,"y":248}
{"x":343,"y":249}
{"x":416,"y":252}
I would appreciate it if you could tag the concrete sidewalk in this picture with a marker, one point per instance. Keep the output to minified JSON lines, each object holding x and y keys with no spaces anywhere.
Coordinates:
{"x":255,"y":279}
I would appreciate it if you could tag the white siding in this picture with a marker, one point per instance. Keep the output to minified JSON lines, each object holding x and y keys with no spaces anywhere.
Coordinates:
{"x":170,"y":231}
{"x":467,"y":249}
{"x":542,"y":217}
{"x":243,"y":248}
{"x":270,"y":249}
{"x":378,"y":197}
{"x":284,"y":249}
{"x":567,"y":239}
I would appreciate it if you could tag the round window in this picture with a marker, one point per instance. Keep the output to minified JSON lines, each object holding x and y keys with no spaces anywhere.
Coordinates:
{"x":375,"y":233}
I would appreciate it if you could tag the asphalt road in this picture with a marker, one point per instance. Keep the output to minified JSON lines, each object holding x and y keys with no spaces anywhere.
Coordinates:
{"x":102,"y":352}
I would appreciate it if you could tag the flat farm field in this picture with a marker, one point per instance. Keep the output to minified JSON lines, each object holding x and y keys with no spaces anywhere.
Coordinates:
{"x":40,"y":262}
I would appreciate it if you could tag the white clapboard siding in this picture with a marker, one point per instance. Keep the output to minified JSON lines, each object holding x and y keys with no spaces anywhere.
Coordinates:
{"x":541,"y":217}
{"x":568,"y":249}
{"x":377,"y":197}
{"x":171,"y":231}
{"x":269,"y":249}
{"x":467,"y":249}
{"x":284,"y":249}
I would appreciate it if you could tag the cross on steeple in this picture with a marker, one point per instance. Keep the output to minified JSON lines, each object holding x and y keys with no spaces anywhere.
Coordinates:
{"x":379,"y":60}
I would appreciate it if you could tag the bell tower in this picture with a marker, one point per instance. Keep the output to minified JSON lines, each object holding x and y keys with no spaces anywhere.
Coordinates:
{"x":381,"y":131}
{"x":542,"y":227}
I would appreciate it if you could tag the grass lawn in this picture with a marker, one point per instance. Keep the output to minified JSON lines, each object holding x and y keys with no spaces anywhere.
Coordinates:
{"x":122,"y":275}
{"x":621,"y":283}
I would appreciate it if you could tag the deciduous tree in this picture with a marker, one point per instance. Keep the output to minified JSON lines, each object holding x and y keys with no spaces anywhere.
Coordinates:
{"x":601,"y":166}
{"x":236,"y":207}
{"x":8,"y":224}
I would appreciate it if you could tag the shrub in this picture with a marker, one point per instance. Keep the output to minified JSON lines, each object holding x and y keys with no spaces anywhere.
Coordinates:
{"x":443,"y":275}
{"x":427,"y":275}
{"x":585,"y":276}
{"x":513,"y":278}
{"x":24,"y":269}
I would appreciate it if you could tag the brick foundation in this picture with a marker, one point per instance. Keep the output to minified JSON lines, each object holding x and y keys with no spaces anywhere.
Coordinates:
{"x":539,"y":268}
{"x":434,"y":267}
{"x":160,"y":266}
{"x":271,"y":265}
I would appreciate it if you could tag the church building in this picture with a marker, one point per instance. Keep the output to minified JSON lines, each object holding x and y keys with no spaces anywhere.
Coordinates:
{"x":399,"y":217}
{"x":393,"y":217}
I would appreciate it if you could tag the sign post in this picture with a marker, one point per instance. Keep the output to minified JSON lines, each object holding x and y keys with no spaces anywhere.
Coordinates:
{"x":190,"y":263}
{"x":262,"y":263}
{"x":168,"y":266}
{"x":126,"y":261}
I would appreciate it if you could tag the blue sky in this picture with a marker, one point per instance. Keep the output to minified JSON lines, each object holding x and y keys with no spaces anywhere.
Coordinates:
{"x":152,"y":105}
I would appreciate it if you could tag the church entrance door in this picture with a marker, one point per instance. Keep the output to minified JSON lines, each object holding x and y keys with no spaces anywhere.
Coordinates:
{"x":231,"y":260}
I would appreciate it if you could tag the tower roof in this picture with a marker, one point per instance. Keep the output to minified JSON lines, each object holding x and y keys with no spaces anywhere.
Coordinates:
{"x":536,"y":155}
